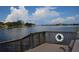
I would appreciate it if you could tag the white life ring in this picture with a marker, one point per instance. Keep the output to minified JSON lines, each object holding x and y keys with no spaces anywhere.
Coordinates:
{"x":59,"y":39}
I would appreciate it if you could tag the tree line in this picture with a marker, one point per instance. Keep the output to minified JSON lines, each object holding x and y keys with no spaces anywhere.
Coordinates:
{"x":16,"y":24}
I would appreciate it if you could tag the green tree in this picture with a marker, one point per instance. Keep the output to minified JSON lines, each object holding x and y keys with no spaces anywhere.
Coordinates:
{"x":29,"y":24}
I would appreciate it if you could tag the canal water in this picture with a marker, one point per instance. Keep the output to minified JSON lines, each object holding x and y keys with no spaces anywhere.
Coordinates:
{"x":18,"y":33}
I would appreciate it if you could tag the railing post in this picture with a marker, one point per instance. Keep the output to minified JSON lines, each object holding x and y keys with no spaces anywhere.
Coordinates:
{"x":31,"y":41}
{"x":39,"y":39}
{"x":44,"y":37}
{"x":21,"y":45}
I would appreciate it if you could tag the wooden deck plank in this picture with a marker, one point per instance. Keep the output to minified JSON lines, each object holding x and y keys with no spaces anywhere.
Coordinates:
{"x":49,"y":48}
{"x":76,"y":46}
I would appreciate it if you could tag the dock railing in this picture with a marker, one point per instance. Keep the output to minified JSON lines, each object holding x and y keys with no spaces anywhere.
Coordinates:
{"x":23,"y":44}
{"x":28,"y":42}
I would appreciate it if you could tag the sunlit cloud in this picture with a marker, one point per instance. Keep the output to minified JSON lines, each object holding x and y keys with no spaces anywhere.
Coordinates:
{"x":66,"y":20}
{"x":17,"y":14}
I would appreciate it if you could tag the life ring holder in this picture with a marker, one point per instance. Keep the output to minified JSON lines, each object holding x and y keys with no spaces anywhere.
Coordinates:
{"x":59,"y":39}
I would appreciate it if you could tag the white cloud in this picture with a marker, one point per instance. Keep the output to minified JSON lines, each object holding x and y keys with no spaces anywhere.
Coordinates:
{"x":17,"y":14}
{"x":57,"y":21}
{"x":45,"y":11}
{"x":70,"y":20}
{"x":66,"y":20}
{"x":42,"y":15}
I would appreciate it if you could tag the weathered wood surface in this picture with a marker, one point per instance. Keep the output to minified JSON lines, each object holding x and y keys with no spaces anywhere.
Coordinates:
{"x":76,"y":46}
{"x":49,"y":48}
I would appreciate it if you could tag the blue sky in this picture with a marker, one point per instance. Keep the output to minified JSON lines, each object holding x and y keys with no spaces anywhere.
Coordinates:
{"x":33,"y":11}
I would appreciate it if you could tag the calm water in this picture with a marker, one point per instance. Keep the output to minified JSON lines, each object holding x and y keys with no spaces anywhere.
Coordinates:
{"x":17,"y":33}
